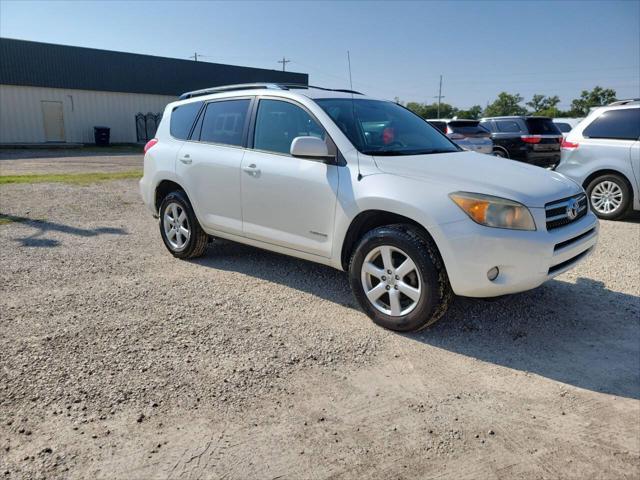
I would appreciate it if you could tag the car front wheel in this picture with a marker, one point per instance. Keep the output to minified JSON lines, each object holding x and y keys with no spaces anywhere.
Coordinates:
{"x":609,"y":196}
{"x":398,"y":278}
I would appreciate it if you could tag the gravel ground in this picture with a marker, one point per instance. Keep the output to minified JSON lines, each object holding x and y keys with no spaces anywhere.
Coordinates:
{"x":119,"y":361}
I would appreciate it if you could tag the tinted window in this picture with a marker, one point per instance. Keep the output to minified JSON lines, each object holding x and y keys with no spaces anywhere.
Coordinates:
{"x":224,"y":121}
{"x":376,"y":127}
{"x":563,"y":127}
{"x":616,"y":124}
{"x":440,"y":126}
{"x":278,"y":123}
{"x":508,"y":126}
{"x":542,"y":126}
{"x":468,"y":128}
{"x":487,"y":125}
{"x":182,"y":119}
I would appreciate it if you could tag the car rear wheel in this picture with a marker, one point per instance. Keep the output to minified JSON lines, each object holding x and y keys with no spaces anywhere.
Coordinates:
{"x":398,"y":278}
{"x":182,"y":234}
{"x":500,"y":153}
{"x":609,"y":196}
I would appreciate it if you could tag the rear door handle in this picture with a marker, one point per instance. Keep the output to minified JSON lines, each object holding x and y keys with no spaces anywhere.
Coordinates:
{"x":252,"y":169}
{"x":186,"y":159}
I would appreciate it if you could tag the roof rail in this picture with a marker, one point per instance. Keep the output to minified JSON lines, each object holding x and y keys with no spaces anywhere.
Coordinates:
{"x":624,"y":102}
{"x":231,"y":88}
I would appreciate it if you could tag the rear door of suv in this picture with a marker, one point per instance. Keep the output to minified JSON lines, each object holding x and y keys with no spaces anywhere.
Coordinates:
{"x":208,"y":164}
{"x":545,"y":139}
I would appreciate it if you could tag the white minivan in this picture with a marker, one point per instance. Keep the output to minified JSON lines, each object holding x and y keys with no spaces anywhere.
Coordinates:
{"x":602,"y":153}
{"x":361,"y":185}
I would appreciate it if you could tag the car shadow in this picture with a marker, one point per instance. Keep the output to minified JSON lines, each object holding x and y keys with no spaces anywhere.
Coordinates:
{"x":42,"y":227}
{"x":581,"y":334}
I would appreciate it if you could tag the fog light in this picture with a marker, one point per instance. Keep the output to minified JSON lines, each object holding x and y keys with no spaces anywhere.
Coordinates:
{"x":493,"y":273}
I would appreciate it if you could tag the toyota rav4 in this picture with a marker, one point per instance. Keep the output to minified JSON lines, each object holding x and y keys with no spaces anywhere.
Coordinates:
{"x":361,"y":185}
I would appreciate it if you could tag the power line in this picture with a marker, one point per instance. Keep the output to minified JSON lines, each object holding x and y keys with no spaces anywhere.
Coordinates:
{"x":284,"y":61}
{"x":195,"y":56}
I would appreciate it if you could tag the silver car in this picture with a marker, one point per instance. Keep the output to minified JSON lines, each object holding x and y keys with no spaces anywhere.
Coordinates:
{"x":468,"y":134}
{"x":602,"y":153}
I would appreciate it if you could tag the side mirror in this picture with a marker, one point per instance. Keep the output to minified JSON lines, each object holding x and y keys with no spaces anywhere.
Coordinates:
{"x":313,"y":148}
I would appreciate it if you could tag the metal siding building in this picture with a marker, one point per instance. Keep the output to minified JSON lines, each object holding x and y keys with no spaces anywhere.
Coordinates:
{"x":56,"y":93}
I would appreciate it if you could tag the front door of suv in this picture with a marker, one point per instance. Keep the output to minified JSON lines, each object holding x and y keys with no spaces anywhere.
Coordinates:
{"x":287,"y":201}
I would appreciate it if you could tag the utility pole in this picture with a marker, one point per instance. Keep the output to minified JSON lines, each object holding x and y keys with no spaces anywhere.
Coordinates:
{"x":284,"y":61}
{"x":194,"y":56}
{"x":439,"y":96}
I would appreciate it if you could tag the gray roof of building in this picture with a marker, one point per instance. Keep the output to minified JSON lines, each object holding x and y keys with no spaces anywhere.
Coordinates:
{"x":59,"y":66}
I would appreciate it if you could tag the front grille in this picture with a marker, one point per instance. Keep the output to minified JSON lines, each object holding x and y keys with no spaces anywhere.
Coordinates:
{"x":566,"y":263}
{"x":558,"y":211}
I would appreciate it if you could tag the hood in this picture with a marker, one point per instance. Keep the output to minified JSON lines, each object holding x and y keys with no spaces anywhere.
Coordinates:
{"x":478,"y":173}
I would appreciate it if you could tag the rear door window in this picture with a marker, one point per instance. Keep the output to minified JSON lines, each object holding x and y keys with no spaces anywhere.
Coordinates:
{"x":182,"y":119}
{"x":508,"y":126}
{"x":616,"y":124}
{"x":224,"y":122}
{"x":542,"y":126}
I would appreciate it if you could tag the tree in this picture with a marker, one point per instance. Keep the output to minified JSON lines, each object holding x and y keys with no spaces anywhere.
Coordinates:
{"x":473,"y":113}
{"x":542,"y":105}
{"x":594,"y":98}
{"x":505,"y":104}
{"x":431,"y":110}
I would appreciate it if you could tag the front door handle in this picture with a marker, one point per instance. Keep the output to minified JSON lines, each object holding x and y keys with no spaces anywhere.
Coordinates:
{"x":186,"y":159}
{"x":252,"y":170}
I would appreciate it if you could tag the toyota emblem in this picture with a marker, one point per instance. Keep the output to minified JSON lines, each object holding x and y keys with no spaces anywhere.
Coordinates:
{"x":572,"y":209}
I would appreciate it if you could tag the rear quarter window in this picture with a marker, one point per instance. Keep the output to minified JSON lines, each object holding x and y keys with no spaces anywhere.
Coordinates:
{"x":182,"y":118}
{"x":615,"y":124}
{"x":563,"y":127}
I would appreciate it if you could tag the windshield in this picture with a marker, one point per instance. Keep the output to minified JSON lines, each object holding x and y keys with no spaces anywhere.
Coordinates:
{"x":376,"y":127}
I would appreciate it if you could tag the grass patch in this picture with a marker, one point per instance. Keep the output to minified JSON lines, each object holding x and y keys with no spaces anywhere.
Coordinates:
{"x":74,"y":178}
{"x":6,"y":219}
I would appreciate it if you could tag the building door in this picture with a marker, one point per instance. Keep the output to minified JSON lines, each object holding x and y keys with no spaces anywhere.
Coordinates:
{"x":53,"y":121}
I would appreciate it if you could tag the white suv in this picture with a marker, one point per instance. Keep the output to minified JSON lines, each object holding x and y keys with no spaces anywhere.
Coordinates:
{"x":602,"y":153}
{"x":365,"y":186}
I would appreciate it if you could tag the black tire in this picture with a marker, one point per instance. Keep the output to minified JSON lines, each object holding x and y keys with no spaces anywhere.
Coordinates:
{"x":196,"y":244}
{"x":435,"y":293}
{"x":625,"y":203}
{"x":498,"y":152}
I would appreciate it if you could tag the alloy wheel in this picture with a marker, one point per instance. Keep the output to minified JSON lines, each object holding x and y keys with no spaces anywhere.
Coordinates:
{"x":176,"y":226}
{"x":391,"y":280}
{"x":606,"y":197}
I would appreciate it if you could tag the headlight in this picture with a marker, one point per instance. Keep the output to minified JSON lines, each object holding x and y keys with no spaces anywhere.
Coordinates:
{"x":494,"y":211}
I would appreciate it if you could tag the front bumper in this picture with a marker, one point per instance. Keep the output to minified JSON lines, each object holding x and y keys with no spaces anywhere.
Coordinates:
{"x":525,"y":259}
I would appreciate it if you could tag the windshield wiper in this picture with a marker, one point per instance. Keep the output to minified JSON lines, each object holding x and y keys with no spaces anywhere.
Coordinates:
{"x":391,"y":153}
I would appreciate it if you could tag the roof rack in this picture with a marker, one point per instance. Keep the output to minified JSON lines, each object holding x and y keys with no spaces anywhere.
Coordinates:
{"x":231,"y":88}
{"x":248,"y":86}
{"x":624,"y":102}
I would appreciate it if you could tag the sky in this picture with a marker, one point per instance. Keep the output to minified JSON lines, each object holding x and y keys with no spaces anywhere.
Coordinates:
{"x":397,"y":49}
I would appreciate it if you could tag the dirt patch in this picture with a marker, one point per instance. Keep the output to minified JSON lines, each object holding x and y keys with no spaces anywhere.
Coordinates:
{"x":119,"y":361}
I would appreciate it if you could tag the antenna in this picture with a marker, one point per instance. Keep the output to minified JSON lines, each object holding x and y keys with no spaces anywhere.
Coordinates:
{"x":353,"y":109}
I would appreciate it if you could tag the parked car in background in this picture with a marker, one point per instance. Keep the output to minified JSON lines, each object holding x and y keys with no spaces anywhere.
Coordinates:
{"x":362,"y":185}
{"x":602,"y":153}
{"x":468,"y":134}
{"x":534,"y":140}
{"x":566,"y":124}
